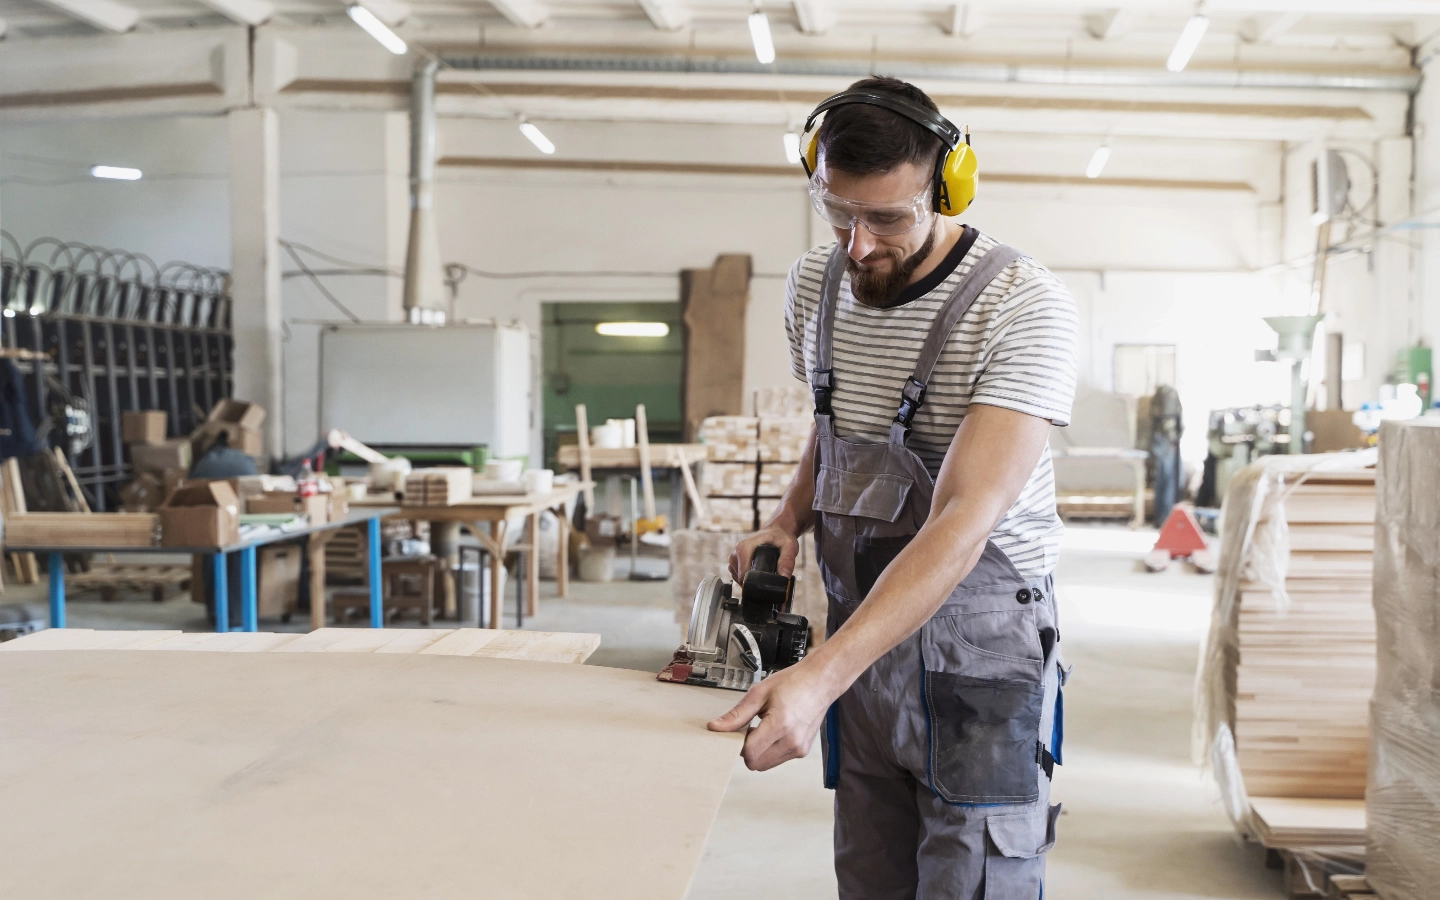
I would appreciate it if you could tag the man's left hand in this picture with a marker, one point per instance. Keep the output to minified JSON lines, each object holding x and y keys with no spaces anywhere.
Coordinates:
{"x":791,"y":705}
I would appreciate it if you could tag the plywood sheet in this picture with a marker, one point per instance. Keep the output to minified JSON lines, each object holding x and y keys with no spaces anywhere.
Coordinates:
{"x":354,"y":775}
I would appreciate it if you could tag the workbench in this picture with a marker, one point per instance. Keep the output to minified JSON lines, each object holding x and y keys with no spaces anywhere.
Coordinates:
{"x":614,"y":463}
{"x":314,"y":535}
{"x":486,"y":516}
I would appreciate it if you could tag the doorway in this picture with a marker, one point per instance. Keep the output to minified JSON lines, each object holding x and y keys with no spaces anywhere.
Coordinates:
{"x":610,"y":357}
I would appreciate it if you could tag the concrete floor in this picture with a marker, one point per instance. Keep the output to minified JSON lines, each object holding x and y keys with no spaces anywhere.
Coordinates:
{"x":1140,"y":820}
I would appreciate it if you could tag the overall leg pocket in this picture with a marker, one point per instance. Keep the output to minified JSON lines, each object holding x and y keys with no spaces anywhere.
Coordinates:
{"x":1015,"y":854}
{"x":983,"y":737}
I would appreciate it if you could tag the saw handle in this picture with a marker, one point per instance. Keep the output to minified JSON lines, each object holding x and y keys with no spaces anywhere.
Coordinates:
{"x":766,"y":558}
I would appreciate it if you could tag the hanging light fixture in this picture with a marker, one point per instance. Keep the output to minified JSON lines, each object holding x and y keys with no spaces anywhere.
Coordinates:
{"x":1189,"y":40}
{"x":760,"y":37}
{"x":537,"y":137}
{"x":115,"y":173}
{"x":792,"y":147}
{"x":376,"y":29}
{"x":632,"y":329}
{"x":1098,"y":159}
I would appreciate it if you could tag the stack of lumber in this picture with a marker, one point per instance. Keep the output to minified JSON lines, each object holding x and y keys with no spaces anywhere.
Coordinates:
{"x":12,"y":503}
{"x":696,"y":555}
{"x":1404,"y":788}
{"x":1290,"y":659}
{"x":790,"y":401}
{"x":346,"y":553}
{"x":728,"y":477}
{"x":82,"y":530}
{"x":438,"y":486}
{"x":1306,"y":668}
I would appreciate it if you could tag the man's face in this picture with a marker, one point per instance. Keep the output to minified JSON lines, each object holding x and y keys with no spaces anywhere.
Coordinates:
{"x":880,"y":265}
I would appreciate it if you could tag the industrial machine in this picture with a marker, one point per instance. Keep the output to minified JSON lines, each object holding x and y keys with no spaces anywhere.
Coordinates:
{"x":1237,"y":436}
{"x":735,"y":642}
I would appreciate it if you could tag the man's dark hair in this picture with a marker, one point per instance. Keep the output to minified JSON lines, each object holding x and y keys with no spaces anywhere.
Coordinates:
{"x":862,"y":139}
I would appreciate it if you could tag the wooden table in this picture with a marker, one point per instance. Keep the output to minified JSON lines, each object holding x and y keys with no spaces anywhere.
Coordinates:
{"x":626,"y":461}
{"x":486,"y":516}
{"x":314,"y":535}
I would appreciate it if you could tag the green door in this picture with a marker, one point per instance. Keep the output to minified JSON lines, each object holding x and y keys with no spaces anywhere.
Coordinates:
{"x":610,"y":374}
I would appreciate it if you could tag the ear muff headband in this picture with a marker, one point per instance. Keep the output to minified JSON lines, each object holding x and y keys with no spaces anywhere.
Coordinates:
{"x":956,"y":172}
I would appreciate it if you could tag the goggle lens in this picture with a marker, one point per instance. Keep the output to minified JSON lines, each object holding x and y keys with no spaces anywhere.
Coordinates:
{"x":879,"y":220}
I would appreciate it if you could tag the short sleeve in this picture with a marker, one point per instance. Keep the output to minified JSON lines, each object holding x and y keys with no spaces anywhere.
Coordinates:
{"x":1030,"y":352}
{"x":795,"y":322}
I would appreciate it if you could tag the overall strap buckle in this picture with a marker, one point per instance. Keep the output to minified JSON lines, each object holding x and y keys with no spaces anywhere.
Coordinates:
{"x":912,"y":398}
{"x":822,"y":384}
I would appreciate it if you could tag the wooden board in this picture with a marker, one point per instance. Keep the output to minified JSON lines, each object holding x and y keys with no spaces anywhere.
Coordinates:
{"x":1288,"y":822}
{"x":536,"y":646}
{"x":355,"y":775}
{"x":661,"y":456}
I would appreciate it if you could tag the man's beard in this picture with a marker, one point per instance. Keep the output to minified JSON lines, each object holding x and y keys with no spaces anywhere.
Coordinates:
{"x":881,"y":289}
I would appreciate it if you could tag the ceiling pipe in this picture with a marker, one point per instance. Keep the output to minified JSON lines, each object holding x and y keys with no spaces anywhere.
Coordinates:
{"x":424,"y":294}
{"x":1402,"y":81}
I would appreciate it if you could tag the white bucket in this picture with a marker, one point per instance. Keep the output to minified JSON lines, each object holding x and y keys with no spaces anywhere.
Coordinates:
{"x":539,"y":481}
{"x":610,"y":436}
{"x":504,"y":469}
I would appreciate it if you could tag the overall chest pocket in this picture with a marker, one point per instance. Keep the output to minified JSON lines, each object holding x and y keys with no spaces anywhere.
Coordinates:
{"x":984,"y":696}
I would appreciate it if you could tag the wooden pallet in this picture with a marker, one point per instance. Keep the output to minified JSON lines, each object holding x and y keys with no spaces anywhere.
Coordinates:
{"x":110,"y":579}
{"x":1349,"y":887}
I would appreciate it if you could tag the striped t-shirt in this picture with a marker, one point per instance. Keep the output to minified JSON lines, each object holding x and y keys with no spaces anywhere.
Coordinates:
{"x":1014,"y":348}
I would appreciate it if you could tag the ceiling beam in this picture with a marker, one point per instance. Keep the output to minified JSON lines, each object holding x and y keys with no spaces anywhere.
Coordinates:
{"x":1267,"y":29}
{"x":666,"y":15}
{"x":523,"y":13}
{"x":4,"y":27}
{"x":104,"y":14}
{"x":815,"y":16}
{"x":1108,"y":25}
{"x":965,"y":20}
{"x":245,"y":12}
{"x":391,"y":12}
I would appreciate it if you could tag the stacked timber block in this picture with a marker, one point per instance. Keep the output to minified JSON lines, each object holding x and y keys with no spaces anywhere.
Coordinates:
{"x":1305,"y":672}
{"x":792,"y":401}
{"x":438,"y":486}
{"x":41,"y":529}
{"x":1403,"y":799}
{"x":750,"y":462}
{"x":697,"y":555}
{"x":1290,"y":661}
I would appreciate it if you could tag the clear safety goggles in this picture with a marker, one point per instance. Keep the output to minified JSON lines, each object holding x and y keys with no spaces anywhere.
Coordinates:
{"x":878,"y":218}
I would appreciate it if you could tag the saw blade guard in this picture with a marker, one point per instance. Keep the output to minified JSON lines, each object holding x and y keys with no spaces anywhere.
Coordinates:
{"x":705,"y":613}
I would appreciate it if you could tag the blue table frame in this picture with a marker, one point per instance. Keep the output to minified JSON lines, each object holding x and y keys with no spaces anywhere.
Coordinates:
{"x":249,"y":604}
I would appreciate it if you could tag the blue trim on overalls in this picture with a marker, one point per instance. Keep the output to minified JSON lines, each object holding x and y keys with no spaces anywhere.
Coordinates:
{"x":1057,"y":733}
{"x":832,"y":740}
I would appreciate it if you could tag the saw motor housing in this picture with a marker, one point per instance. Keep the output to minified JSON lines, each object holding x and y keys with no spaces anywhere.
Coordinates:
{"x":734,"y":642}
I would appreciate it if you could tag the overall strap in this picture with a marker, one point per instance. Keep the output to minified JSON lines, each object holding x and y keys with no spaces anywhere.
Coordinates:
{"x":822,"y":377}
{"x":970,"y":287}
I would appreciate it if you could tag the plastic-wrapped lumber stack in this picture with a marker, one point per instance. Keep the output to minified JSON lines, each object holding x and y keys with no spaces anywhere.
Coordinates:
{"x":728,"y":477}
{"x":1290,"y":660}
{"x":696,"y":555}
{"x":1403,"y":828}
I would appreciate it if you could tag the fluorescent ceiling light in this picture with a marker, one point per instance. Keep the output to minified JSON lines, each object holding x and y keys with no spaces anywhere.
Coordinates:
{"x":1098,"y":161}
{"x":538,"y":138}
{"x":377,"y":29}
{"x":792,"y":147}
{"x":632,"y":329}
{"x":1189,"y":40}
{"x":760,"y":37}
{"x":118,"y":173}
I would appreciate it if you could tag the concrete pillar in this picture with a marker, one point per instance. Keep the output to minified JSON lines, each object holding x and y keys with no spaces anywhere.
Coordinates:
{"x":255,"y":266}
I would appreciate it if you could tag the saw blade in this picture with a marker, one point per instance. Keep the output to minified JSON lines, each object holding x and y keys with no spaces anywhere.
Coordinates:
{"x":705,"y":614}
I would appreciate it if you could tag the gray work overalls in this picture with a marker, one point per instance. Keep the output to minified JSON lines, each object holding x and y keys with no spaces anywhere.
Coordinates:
{"x":940,"y":754}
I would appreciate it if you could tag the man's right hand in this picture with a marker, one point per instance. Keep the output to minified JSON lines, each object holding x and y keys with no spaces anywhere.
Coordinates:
{"x":788,"y":543}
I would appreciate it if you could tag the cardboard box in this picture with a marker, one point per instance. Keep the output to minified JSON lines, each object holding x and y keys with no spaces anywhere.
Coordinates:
{"x":156,"y":458}
{"x":313,"y":508}
{"x":145,"y":427}
{"x":201,"y":514}
{"x":278,"y":583}
{"x":603,"y":530}
{"x":237,"y":412}
{"x":250,"y":441}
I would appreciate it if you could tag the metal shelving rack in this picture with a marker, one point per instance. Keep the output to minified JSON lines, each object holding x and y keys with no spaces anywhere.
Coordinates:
{"x":121,"y":333}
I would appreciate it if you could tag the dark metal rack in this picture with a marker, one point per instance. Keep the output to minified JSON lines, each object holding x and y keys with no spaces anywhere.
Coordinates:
{"x":121,"y":333}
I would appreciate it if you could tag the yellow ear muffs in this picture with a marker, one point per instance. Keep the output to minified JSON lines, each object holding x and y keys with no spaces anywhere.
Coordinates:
{"x":810,"y":150}
{"x":959,"y":180}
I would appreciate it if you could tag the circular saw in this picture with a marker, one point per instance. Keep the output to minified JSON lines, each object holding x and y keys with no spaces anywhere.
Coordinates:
{"x":733,"y":642}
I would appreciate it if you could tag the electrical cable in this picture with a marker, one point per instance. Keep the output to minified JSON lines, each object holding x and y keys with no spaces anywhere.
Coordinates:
{"x":319,"y":285}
